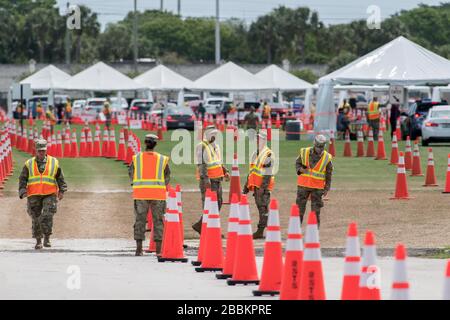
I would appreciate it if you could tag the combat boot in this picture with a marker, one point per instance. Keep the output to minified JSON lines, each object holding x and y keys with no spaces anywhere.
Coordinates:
{"x":139,"y":251}
{"x":198,"y":226}
{"x":38,"y":245}
{"x":158,"y":248}
{"x":47,"y":243}
{"x":259,"y":234}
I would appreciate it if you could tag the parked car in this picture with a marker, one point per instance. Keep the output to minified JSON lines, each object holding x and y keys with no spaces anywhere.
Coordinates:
{"x":118,"y":104}
{"x":78,"y":107}
{"x":179,"y":117}
{"x":217,"y":105}
{"x":436,"y":126}
{"x":94,"y":105}
{"x":412,"y":124}
{"x":141,"y":106}
{"x":279,"y":108}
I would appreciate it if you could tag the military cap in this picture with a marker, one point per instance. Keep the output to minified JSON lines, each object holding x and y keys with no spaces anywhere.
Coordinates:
{"x":211,"y":129}
{"x":320,"y":140}
{"x":151,"y":137}
{"x":41,"y":144}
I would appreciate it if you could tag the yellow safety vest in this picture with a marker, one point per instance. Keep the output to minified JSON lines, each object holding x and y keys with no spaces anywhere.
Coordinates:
{"x":45,"y":183}
{"x":255,"y":177}
{"x":314,"y":177}
{"x":148,"y":178}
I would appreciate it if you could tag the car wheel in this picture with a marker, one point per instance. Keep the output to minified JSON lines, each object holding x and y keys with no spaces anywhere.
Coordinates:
{"x":425,"y":143}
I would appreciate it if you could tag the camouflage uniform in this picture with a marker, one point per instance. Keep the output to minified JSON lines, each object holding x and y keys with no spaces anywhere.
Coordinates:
{"x":141,"y":208}
{"x":262,"y":194}
{"x":251,"y":120}
{"x":41,"y":209}
{"x":216,"y":184}
{"x":303,"y":193}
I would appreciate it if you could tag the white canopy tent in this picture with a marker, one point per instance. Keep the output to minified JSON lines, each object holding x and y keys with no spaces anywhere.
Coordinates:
{"x":282,"y":80}
{"x":162,"y":78}
{"x":399,"y":62}
{"x":101,"y":77}
{"x":46,"y":79}
{"x":231,"y":78}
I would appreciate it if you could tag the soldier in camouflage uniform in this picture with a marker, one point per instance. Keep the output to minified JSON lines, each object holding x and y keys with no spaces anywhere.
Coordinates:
{"x":42,"y":182}
{"x":260,"y":180}
{"x":149,"y":198}
{"x":314,"y":168}
{"x":251,"y":121}
{"x":209,"y":178}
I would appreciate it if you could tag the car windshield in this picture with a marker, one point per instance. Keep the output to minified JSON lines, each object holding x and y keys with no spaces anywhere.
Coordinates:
{"x":96,"y":103}
{"x":180,"y":111}
{"x":425,"y":107}
{"x":440,"y":114}
{"x":143,"y":104}
{"x":187,"y":99}
{"x":215,"y":102}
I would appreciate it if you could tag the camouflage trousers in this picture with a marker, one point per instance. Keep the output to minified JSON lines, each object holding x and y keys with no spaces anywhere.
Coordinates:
{"x":375,"y":126}
{"x":41,"y":209}
{"x":316,"y":201}
{"x":141,"y":208}
{"x":262,"y":202}
{"x":216,"y":186}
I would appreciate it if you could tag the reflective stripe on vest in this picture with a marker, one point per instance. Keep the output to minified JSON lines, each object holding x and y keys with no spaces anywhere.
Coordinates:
{"x":255,"y":177}
{"x":313,"y":177}
{"x":213,"y":161}
{"x":372,"y":111}
{"x":148,"y":179}
{"x":45,"y":183}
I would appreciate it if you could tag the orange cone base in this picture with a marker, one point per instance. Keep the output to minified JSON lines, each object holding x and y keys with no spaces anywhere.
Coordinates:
{"x":259,"y":293}
{"x":149,"y":251}
{"x":430,"y":185}
{"x":445,"y":191}
{"x":196,"y":263}
{"x":223,"y":276}
{"x":208,"y":269}
{"x":401,"y":198}
{"x":232,"y":282}
{"x":381,"y":158}
{"x":350,"y":288}
{"x":161,"y":259}
{"x":417,"y":175}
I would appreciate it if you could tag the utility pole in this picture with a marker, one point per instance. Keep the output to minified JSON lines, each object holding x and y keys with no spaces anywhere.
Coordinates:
{"x":217,"y":34}
{"x":135,"y":34}
{"x":179,"y":7}
{"x":67,"y":40}
{"x":162,"y":5}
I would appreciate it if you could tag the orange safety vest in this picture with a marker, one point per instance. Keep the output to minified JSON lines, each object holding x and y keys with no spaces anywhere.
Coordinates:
{"x":255,"y":177}
{"x":372,"y":112}
{"x":314,"y":177}
{"x":68,"y":108}
{"x":148,"y":178}
{"x":45,"y":183}
{"x":51,"y":117}
{"x":213,"y":161}
{"x":267,"y":110}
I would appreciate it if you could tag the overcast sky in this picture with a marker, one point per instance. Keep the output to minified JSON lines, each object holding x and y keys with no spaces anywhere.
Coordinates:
{"x":330,"y":11}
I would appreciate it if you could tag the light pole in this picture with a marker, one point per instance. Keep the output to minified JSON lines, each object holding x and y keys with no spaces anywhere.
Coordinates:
{"x":179,"y":7}
{"x":162,"y":5}
{"x":217,"y":34}
{"x":135,"y":45}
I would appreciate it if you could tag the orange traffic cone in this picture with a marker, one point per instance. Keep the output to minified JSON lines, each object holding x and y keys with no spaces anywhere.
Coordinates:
{"x":172,"y":248}
{"x":352,"y":266}
{"x":53,"y":146}
{"x":212,"y":256}
{"x":89,"y":144}
{"x":416,"y":165}
{"x":331,"y":147}
{"x":398,"y":132}
{"x":233,"y":224}
{"x":408,"y":154}
{"x":360,"y":151}
{"x":347,"y":146}
{"x":370,"y":145}
{"x":400,"y":284}
{"x":273,"y":255}
{"x":151,"y":240}
{"x":112,"y":150}
{"x":292,"y":270}
{"x":447,"y":177}
{"x":105,"y":143}
{"x":369,"y":284}
{"x":180,"y":211}
{"x":83,"y":147}
{"x":244,"y":271}
{"x":235,"y":181}
{"x":312,"y":285}
{"x":121,"y":156}
{"x":30,"y":147}
{"x":394,"y":150}
{"x":59,"y":152}
{"x":96,"y":151}
{"x":67,"y":149}
{"x":430,"y":178}
{"x":201,"y":246}
{"x":130,"y":151}
{"x":447,"y":282}
{"x":401,"y":186}
{"x":74,"y":147}
{"x":278,"y":121}
{"x":381,"y":150}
